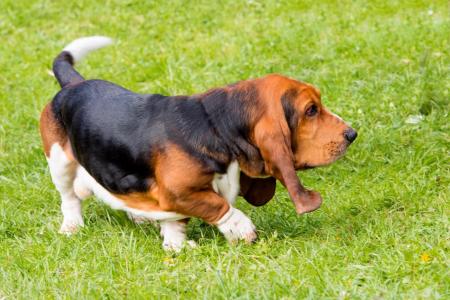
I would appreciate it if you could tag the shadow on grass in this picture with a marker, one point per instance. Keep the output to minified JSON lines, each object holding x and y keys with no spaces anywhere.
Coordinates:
{"x":274,"y":221}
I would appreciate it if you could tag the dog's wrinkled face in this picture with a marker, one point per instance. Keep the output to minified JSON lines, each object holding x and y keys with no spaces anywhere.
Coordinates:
{"x":293,"y":131}
{"x":318,"y":137}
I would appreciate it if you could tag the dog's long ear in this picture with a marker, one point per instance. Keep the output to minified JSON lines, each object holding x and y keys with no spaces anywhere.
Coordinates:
{"x":273,"y":136}
{"x":257,"y":191}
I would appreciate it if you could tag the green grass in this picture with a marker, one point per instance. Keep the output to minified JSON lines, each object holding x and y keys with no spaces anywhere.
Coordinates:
{"x":383,"y":230}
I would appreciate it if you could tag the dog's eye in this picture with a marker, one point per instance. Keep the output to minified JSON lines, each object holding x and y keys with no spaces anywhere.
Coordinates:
{"x":311,"y":111}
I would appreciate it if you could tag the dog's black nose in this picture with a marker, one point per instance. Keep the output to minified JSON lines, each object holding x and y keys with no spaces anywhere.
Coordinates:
{"x":350,"y":135}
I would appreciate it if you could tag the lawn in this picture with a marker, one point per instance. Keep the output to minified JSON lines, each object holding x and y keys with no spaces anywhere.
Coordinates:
{"x":383,"y":230}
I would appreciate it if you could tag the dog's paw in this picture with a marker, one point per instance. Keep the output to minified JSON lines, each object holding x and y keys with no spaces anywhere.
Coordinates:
{"x":174,"y":235}
{"x":310,"y":201}
{"x":177,"y":245}
{"x":235,"y":225}
{"x":71,"y":226}
{"x":191,"y":244}
{"x":173,"y":246}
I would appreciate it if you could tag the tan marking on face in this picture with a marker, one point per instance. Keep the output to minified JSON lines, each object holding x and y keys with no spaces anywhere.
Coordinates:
{"x":320,"y":139}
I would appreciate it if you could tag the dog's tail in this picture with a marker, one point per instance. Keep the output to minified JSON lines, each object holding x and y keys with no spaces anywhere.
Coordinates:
{"x":73,"y":53}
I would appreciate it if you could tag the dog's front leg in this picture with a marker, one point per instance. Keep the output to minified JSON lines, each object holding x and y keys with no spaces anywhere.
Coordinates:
{"x":185,"y":187}
{"x":174,"y":235}
{"x":215,"y":210}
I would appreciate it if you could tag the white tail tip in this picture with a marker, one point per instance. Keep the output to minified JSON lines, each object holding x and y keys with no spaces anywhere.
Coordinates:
{"x":79,"y":48}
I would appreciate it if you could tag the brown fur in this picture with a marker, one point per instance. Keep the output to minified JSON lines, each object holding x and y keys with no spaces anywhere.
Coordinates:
{"x":257,"y":191}
{"x":276,"y":142}
{"x":50,"y":130}
{"x":181,"y":186}
{"x":52,"y":133}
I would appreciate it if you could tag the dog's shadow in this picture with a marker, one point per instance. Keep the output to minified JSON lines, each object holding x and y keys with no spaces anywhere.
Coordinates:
{"x":277,"y":220}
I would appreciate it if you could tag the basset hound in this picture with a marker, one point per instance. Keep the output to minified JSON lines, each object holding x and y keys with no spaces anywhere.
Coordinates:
{"x":168,"y":158}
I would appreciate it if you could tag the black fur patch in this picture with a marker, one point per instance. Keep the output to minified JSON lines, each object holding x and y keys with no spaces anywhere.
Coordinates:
{"x":230,"y":113}
{"x":115,"y":133}
{"x":64,"y":71}
{"x":290,"y":113}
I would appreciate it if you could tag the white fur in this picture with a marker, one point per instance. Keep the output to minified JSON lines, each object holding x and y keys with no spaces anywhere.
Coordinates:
{"x":174,"y":236}
{"x":75,"y":183}
{"x":337,"y":117}
{"x":80,"y":185}
{"x":227,"y":185}
{"x":235,"y":225}
{"x":140,"y":220}
{"x":79,"y":48}
{"x":63,"y":171}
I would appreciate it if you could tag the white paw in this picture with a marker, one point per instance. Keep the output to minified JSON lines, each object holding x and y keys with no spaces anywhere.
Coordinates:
{"x":235,"y":225}
{"x":174,"y":235}
{"x":191,"y":243}
{"x":70,"y":227}
{"x":178,"y":245}
{"x":172,"y":246}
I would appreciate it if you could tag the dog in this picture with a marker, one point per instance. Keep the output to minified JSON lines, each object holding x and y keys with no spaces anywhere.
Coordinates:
{"x":169,"y":158}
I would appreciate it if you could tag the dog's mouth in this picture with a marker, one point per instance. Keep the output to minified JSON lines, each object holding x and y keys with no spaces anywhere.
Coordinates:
{"x":336,"y":150}
{"x":332,"y":152}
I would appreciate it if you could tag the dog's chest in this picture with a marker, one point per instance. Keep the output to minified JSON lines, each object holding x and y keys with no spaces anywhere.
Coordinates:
{"x":227,"y":185}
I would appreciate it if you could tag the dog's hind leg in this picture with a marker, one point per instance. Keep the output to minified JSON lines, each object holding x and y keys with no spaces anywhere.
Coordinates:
{"x":63,"y":171}
{"x":63,"y":167}
{"x":186,"y":188}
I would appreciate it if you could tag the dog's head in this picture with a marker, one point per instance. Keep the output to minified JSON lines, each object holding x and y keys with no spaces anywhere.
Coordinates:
{"x":295,"y":131}
{"x":318,"y":137}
